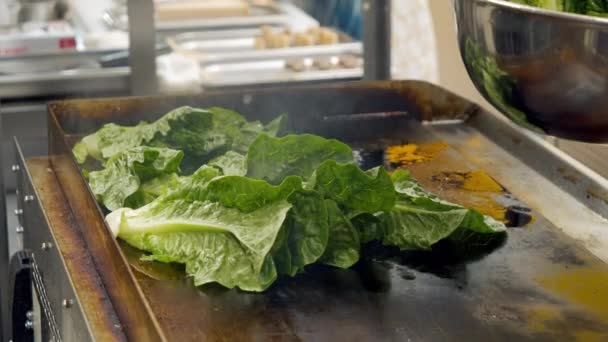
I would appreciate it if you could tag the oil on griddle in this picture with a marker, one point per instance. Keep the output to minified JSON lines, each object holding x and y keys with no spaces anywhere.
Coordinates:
{"x":536,"y":285}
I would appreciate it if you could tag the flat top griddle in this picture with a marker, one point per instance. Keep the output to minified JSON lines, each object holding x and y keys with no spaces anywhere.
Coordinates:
{"x":547,"y":281}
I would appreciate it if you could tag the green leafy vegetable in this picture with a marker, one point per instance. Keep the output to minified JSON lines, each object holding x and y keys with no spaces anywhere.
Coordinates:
{"x":113,"y":138}
{"x":118,"y":184}
{"x":354,"y":190}
{"x":213,"y":217}
{"x":343,"y":247}
{"x":272,"y":159}
{"x":369,"y":226}
{"x":82,"y":149}
{"x":419,"y":219}
{"x":308,"y":228}
{"x":497,"y":84}
{"x":259,"y":206}
{"x":201,"y":134}
{"x":151,"y":189}
{"x":547,"y":4}
{"x":597,"y":8}
{"x":219,"y":238}
{"x":251,"y":130}
{"x":276,"y":127}
{"x":231,"y":163}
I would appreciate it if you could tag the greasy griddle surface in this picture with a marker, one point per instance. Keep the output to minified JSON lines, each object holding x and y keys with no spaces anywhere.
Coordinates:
{"x":537,"y":285}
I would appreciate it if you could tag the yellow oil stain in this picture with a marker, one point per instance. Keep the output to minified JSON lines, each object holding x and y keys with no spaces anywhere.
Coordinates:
{"x":483,"y":187}
{"x":540,"y":315}
{"x":470,"y":180}
{"x":493,"y":209}
{"x":474,"y":142}
{"x":545,"y":317}
{"x":409,"y":154}
{"x":590,"y":336}
{"x":480,"y":181}
{"x":585,"y":287}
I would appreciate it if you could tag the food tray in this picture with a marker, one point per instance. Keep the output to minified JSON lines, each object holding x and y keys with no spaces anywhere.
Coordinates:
{"x":271,"y":14}
{"x":232,"y":60}
{"x":546,"y":281}
{"x":231,"y":41}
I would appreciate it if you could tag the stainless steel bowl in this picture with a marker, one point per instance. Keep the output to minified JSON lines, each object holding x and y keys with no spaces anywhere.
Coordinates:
{"x":545,"y":70}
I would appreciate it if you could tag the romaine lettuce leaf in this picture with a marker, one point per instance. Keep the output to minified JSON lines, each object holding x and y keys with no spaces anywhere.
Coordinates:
{"x":588,"y":7}
{"x":356,"y":191}
{"x":555,"y":5}
{"x":229,"y":224}
{"x":419,"y":219}
{"x":231,"y":164}
{"x":249,"y":131}
{"x":221,"y":238}
{"x":254,"y":229}
{"x":343,"y":247}
{"x":149,"y":190}
{"x":201,"y":134}
{"x":369,"y":226}
{"x":277,"y":126}
{"x":307,"y":230}
{"x":273,"y":159}
{"x":117,"y":185}
{"x":112,"y":138}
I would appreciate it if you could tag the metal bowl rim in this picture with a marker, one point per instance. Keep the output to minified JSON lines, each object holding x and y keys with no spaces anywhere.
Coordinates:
{"x":586,"y":19}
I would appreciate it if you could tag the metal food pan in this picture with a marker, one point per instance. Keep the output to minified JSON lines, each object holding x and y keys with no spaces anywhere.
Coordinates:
{"x":229,"y":41}
{"x":273,"y":71}
{"x":116,"y":18}
{"x":234,"y":61}
{"x":546,"y":281}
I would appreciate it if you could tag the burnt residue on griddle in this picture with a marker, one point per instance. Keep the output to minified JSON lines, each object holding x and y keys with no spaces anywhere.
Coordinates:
{"x":566,"y":256}
{"x":406,"y":274}
{"x":367,"y":159}
{"x":374,"y":276}
{"x":478,"y":181}
{"x":447,"y":259}
{"x":486,"y":195}
{"x":518,"y":216}
{"x":472,"y":188}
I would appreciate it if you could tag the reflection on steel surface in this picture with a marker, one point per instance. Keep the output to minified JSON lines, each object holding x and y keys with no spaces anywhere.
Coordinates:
{"x":540,"y":68}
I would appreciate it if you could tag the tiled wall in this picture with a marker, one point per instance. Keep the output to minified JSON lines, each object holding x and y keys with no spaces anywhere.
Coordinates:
{"x":414,"y":51}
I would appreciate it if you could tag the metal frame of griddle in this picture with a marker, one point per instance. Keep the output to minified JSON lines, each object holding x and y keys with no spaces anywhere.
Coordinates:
{"x":74,"y":305}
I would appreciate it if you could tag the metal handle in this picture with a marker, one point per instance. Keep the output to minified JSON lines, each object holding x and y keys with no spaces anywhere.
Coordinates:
{"x":21,"y":297}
